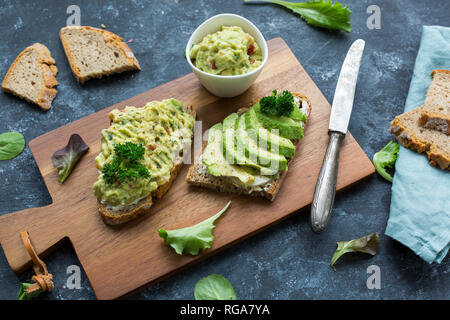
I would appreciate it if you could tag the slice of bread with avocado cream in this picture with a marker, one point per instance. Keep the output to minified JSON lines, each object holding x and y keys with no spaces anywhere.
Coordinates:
{"x":243,"y":179}
{"x":32,"y":76}
{"x":161,"y":129}
{"x":94,"y":53}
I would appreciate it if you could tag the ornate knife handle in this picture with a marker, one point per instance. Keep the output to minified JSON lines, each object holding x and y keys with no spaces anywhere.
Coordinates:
{"x":326,"y":184}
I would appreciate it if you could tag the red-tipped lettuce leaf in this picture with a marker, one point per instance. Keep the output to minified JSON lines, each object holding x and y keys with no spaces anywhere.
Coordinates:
{"x":66,"y":158}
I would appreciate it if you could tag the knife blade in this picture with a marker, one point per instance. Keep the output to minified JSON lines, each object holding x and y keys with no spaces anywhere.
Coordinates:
{"x":341,"y":111}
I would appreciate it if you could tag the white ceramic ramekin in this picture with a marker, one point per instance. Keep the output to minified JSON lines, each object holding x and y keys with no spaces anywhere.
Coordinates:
{"x":226,"y":86}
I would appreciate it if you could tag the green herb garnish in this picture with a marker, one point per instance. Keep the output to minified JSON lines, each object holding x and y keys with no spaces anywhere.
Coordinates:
{"x":367,"y":244}
{"x":385,"y":158}
{"x":281,"y":105}
{"x":319,"y":13}
{"x":125,"y":164}
{"x":214,"y":287}
{"x":194,"y":238}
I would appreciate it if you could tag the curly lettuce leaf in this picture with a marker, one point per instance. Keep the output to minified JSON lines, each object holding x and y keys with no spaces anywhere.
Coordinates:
{"x":192,"y":239}
{"x":214,"y":287}
{"x":385,"y":158}
{"x":366,"y":244}
{"x":318,"y":13}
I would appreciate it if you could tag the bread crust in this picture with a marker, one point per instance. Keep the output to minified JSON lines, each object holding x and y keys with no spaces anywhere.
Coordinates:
{"x":49,"y":70}
{"x":143,"y":206}
{"x":108,"y":36}
{"x":222,"y":184}
{"x":439,"y":71}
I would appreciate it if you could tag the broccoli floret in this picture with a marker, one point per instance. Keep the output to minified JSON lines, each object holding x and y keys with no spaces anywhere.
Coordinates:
{"x":278,"y":105}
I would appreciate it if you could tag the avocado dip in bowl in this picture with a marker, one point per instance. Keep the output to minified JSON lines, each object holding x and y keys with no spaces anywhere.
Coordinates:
{"x":227,"y":53}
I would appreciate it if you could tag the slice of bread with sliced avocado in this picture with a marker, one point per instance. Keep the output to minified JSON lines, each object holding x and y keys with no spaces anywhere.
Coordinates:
{"x":32,"y":76}
{"x":250,"y":151}
{"x":435,"y":113}
{"x":141,"y":155}
{"x":94,"y":53}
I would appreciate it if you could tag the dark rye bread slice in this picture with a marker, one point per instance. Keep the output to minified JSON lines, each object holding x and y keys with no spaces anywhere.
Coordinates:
{"x":198,"y":175}
{"x":94,"y":53}
{"x":32,"y":76}
{"x":412,"y":135}
{"x":435,"y":113}
{"x":141,"y":208}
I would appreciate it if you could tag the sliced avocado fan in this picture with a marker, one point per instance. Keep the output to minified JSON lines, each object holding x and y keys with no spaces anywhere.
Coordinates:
{"x":214,"y":160}
{"x":286,"y":126}
{"x":247,"y":140}
{"x":236,"y":155}
{"x":275,"y":142}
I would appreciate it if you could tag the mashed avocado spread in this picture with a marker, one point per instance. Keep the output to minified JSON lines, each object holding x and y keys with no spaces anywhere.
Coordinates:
{"x":163,"y":128}
{"x":227,"y":52}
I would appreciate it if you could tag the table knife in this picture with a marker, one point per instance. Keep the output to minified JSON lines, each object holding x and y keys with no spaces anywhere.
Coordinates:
{"x":341,"y":110}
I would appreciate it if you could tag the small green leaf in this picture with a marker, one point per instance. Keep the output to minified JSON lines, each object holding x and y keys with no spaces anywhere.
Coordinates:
{"x":385,"y":158}
{"x":319,"y":13}
{"x":194,"y":238}
{"x":214,"y":287}
{"x":22,"y":295}
{"x":11,"y":145}
{"x":367,"y":244}
{"x":66,"y":158}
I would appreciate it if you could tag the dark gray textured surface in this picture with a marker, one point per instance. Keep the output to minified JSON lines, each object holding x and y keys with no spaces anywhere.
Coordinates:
{"x":287,"y":261}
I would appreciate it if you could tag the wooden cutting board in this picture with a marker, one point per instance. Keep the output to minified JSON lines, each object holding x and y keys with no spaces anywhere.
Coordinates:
{"x":120,"y":260}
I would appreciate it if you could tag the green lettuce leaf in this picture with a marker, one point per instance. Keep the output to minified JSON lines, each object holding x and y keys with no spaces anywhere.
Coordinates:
{"x":214,"y":287}
{"x":191,"y":239}
{"x":319,"y":13}
{"x":11,"y":145}
{"x":385,"y":158}
{"x":22,"y":295}
{"x":367,"y":244}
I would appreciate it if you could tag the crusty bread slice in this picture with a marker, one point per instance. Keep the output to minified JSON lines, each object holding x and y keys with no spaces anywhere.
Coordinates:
{"x":412,"y":135}
{"x":198,"y":174}
{"x":141,"y":208}
{"x":93,"y":52}
{"x":32,"y":76}
{"x":435,"y":113}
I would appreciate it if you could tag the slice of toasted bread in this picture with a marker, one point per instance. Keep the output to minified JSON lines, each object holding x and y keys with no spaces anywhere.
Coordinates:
{"x":142,"y":207}
{"x":32,"y":76}
{"x":435,"y":113}
{"x":412,"y":135}
{"x":94,"y":53}
{"x":198,"y":174}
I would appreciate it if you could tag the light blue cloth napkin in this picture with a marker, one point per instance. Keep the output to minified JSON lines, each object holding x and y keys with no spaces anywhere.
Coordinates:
{"x":420,"y":203}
